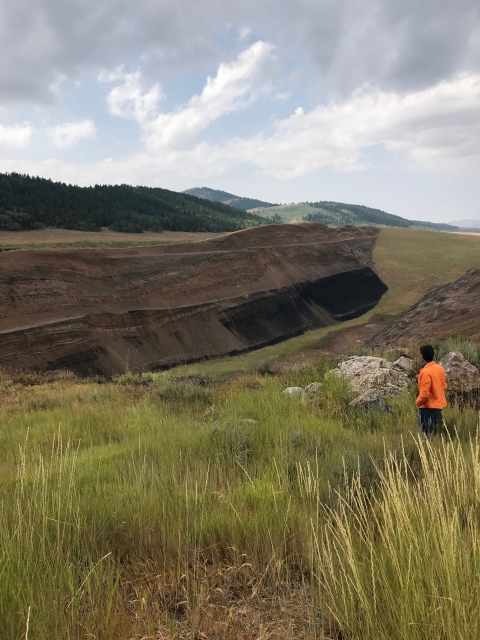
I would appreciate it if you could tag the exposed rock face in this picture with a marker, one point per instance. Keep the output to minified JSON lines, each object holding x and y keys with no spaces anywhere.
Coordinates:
{"x":367,"y":373}
{"x":101,"y":311}
{"x":447,"y":310}
{"x":370,"y":400}
{"x":405,"y":364}
{"x":462,"y":377}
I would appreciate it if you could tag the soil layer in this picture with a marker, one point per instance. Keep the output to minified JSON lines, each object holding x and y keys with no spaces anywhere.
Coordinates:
{"x":103,"y":311}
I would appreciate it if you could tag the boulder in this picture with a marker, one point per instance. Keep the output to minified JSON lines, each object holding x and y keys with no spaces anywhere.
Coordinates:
{"x":292,"y":391}
{"x":462,"y":377}
{"x":366,"y":373}
{"x":370,"y":400}
{"x":405,"y":364}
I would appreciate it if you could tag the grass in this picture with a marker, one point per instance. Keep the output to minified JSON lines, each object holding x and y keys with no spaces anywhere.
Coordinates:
{"x":412,"y":261}
{"x":83,"y":244}
{"x":155,"y":508}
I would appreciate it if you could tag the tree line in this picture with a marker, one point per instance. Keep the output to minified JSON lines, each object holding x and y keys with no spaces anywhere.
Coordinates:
{"x":33,"y":203}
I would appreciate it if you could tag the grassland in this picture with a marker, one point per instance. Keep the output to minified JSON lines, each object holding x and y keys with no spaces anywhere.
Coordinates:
{"x":51,"y":238}
{"x":153,"y":508}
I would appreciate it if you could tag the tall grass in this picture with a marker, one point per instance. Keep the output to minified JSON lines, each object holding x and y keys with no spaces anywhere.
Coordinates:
{"x":152,"y":508}
{"x":405,"y":562}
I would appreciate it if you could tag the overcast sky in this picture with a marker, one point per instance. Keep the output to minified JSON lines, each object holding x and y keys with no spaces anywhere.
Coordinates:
{"x":374,"y":102}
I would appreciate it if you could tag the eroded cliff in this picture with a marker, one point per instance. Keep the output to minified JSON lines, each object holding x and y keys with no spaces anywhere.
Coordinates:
{"x":103,"y":310}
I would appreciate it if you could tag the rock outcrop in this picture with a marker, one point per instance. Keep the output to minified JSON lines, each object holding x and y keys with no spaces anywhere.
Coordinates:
{"x":369,"y":373}
{"x":445,"y":311}
{"x":101,"y":311}
{"x":462,"y":377}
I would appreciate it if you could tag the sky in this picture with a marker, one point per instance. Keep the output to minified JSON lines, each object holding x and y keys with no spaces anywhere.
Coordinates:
{"x":373,"y":102}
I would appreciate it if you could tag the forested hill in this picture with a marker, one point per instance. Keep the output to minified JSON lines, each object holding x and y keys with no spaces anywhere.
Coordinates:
{"x":32,"y":203}
{"x":215,"y":195}
{"x":334,"y":213}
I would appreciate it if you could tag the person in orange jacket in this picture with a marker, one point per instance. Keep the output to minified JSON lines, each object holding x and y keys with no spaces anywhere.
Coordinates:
{"x":432,"y":382}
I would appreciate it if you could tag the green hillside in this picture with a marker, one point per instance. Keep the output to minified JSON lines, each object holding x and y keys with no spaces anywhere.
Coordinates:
{"x":33,"y":203}
{"x":337,"y":213}
{"x":325,"y":211}
{"x":216,"y":195}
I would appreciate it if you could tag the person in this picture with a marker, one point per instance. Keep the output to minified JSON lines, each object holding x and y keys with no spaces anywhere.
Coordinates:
{"x":432,"y":382}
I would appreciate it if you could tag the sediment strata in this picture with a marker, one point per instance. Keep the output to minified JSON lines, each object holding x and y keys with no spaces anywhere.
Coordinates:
{"x":104,"y":310}
{"x":447,"y":310}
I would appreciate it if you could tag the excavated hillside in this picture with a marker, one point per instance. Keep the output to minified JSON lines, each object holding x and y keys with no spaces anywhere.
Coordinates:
{"x":104,"y":310}
{"x":445,"y":311}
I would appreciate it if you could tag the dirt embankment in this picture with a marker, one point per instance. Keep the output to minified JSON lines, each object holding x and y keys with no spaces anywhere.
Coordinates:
{"x":101,"y":311}
{"x":447,"y":310}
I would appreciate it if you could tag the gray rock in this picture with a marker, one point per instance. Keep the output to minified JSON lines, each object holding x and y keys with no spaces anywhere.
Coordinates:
{"x":462,"y":376}
{"x":292,"y":391}
{"x":365,"y":373}
{"x":405,"y":364}
{"x":370,"y":400}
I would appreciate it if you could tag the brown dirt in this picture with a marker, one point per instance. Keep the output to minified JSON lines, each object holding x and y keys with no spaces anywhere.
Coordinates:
{"x":445,"y":311}
{"x":102,"y":311}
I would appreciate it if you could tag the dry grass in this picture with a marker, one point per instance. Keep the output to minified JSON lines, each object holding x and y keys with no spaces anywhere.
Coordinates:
{"x":50,"y":237}
{"x":412,"y":261}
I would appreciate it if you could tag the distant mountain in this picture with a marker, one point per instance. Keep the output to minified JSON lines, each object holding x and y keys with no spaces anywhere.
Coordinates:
{"x":331,"y":213}
{"x":216,"y":195}
{"x":467,"y":224}
{"x":33,"y":203}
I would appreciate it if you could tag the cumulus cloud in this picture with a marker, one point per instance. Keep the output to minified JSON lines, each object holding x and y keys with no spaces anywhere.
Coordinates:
{"x":390,"y":44}
{"x":433,"y":126}
{"x":16,"y":136}
{"x":69,"y":133}
{"x":235,"y":84}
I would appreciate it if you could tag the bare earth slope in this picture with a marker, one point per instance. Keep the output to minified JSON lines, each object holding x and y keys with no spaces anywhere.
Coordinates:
{"x":101,"y":311}
{"x":447,"y":310}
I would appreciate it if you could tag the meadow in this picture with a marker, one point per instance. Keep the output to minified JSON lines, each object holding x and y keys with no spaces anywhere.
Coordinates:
{"x":152,"y":507}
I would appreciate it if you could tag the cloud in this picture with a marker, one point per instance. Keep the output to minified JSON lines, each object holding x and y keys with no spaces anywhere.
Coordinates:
{"x":234,"y":86}
{"x":16,"y":136}
{"x":390,"y":44}
{"x":128,"y":99}
{"x":432,"y":126}
{"x":69,"y":133}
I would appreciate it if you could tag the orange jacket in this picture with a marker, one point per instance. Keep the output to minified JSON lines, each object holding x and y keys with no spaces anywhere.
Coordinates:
{"x":432,"y":382}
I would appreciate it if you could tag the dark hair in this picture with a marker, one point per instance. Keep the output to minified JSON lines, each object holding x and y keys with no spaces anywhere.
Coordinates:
{"x":428,"y":352}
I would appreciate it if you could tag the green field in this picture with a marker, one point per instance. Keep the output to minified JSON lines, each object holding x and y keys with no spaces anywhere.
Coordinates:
{"x":149,"y":508}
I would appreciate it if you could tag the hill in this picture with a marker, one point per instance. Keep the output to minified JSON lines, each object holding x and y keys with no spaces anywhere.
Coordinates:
{"x":324,"y":211}
{"x":339,"y":213}
{"x":33,"y":203}
{"x":215,"y":195}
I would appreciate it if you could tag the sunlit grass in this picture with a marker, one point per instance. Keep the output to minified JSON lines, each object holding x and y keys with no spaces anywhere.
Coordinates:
{"x":124,"y":506}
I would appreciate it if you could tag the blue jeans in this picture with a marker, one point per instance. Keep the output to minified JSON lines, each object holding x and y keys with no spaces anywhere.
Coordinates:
{"x":428,"y":420}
